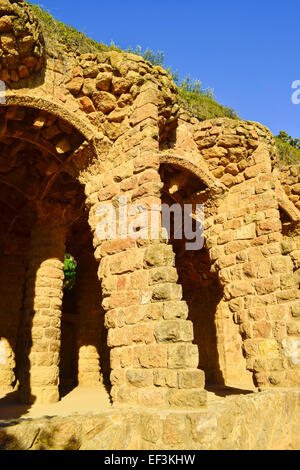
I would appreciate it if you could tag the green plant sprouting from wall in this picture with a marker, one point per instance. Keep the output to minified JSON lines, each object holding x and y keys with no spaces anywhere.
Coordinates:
{"x":70,"y":266}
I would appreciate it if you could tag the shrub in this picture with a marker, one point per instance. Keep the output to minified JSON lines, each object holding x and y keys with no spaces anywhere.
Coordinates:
{"x":70,"y":266}
{"x":288,"y":148}
{"x":61,"y":36}
{"x":195,"y":99}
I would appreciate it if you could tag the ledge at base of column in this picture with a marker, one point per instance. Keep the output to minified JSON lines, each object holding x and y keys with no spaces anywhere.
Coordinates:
{"x":159,"y":397}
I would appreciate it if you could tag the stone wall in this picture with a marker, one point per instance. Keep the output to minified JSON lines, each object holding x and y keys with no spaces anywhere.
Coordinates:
{"x":111,"y":122}
{"x":244,"y":237}
{"x":22,"y":42}
{"x":290,"y":180}
{"x":265,"y":421}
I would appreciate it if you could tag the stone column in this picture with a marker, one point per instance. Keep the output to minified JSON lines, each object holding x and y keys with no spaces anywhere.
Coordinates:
{"x":153,"y":360}
{"x":261,"y":292}
{"x":12,"y":271}
{"x":42,"y":313}
{"x":90,"y":322}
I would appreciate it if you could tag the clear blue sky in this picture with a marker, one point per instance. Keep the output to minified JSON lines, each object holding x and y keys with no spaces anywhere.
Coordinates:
{"x":248,"y":52}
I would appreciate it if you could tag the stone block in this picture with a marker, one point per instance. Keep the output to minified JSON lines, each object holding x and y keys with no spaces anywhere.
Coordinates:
{"x":248,"y":232}
{"x":229,"y":141}
{"x":167,"y":291}
{"x":267,"y":286}
{"x":75,"y":85}
{"x":143,"y":333}
{"x":187,"y":398}
{"x":44,"y":376}
{"x":163,"y":274}
{"x":150,"y":356}
{"x":104,"y":101}
{"x":151,"y":397}
{"x":175,"y":430}
{"x":144,"y":112}
{"x":140,"y":378}
{"x":268,"y":348}
{"x":127,"y":261}
{"x":119,"y":337}
{"x":262,"y":329}
{"x":159,"y":255}
{"x":165,"y":378}
{"x":126,"y":357}
{"x":174,"y":331}
{"x":295,"y":309}
{"x":175,"y":309}
{"x":256,"y":170}
{"x":191,"y":379}
{"x":151,"y":428}
{"x":103,"y":81}
{"x":268,"y":226}
{"x":239,"y":289}
{"x":181,"y":356}
{"x":121,"y":299}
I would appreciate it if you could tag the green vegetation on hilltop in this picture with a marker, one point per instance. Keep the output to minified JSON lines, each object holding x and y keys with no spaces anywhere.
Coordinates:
{"x":288,"y":148}
{"x":193,"y":98}
{"x":61,"y":36}
{"x":200,"y":102}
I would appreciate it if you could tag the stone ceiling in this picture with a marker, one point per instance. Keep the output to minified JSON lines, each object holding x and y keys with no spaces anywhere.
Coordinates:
{"x":36,"y":149}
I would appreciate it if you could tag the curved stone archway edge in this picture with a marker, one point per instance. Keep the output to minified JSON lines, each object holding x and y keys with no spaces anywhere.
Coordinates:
{"x":82,"y":125}
{"x":185,"y":164}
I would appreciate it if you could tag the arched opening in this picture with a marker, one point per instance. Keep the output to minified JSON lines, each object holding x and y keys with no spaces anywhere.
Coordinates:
{"x":201,"y":289}
{"x":44,"y":329}
{"x":84,"y":352}
{"x":68,"y":369}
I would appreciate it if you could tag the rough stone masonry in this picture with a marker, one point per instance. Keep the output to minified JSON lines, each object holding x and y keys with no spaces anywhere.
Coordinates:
{"x":79,"y":130}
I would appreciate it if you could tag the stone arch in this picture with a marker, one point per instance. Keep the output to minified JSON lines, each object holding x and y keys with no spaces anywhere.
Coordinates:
{"x":14,"y":98}
{"x":186,"y":165}
{"x":43,"y":157}
{"x":202,"y":290}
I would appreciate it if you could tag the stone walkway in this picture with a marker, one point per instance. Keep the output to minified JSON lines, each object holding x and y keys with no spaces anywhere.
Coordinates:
{"x":90,"y":400}
{"x":232,"y":420}
{"x":81,"y":400}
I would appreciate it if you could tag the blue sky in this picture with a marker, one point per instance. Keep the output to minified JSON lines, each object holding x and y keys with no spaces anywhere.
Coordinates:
{"x":248,"y":52}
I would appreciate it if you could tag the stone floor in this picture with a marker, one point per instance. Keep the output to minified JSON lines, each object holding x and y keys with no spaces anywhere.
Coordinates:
{"x":81,"y":400}
{"x":234,"y":418}
{"x":91,"y":400}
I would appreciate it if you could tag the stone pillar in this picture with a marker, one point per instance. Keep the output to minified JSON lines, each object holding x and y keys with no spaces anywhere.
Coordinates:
{"x":90,"y":322}
{"x":12,"y":272}
{"x":42,"y":313}
{"x":153,"y":360}
{"x":261,"y":292}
